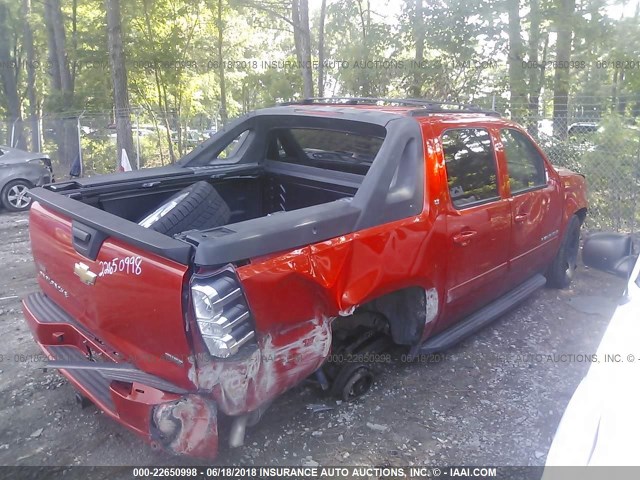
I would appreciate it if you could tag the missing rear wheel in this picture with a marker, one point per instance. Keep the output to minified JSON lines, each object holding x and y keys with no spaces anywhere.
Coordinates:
{"x":352,"y":382}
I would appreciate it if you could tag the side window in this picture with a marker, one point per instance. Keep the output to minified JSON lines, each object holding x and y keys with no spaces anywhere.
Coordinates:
{"x":275,"y":150}
{"x":471,"y":166}
{"x":233,"y":146}
{"x":526,"y":167}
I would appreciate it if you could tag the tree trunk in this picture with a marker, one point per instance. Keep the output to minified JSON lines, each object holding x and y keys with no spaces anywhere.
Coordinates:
{"x":561,"y":77}
{"x":517,"y":85}
{"x":32,"y":96}
{"x":74,"y":42}
{"x":622,"y":101}
{"x":614,"y":88}
{"x":536,"y":68}
{"x":223,"y":86}
{"x":162,"y":104}
{"x":323,"y":15}
{"x":418,"y":37}
{"x":365,"y":24}
{"x":167,"y":123}
{"x":8,"y":75}
{"x":302,"y":41}
{"x":119,"y":81}
{"x":62,"y":83}
{"x":54,"y":69}
{"x":536,"y":89}
{"x":66,"y":82}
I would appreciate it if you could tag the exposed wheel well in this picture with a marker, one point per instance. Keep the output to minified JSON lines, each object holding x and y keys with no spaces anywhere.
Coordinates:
{"x":582,"y":215}
{"x":404,"y":311}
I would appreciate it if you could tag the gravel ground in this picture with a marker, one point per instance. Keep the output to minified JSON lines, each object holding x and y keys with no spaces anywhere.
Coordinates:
{"x":495,"y":399}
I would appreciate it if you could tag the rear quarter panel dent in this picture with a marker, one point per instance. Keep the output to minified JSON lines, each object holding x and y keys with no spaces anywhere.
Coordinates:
{"x":282,"y":360}
{"x":294,"y":298}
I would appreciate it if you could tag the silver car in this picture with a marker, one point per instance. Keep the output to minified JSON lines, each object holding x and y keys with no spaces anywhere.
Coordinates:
{"x":20,"y":171}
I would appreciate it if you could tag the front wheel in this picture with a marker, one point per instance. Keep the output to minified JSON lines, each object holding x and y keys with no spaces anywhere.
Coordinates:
{"x":562,"y":270}
{"x":15,"y":196}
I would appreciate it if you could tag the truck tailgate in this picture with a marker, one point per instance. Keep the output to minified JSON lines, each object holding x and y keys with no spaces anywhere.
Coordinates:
{"x":127,"y":297}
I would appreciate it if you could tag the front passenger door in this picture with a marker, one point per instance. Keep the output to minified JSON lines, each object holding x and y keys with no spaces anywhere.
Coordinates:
{"x":533,"y":199}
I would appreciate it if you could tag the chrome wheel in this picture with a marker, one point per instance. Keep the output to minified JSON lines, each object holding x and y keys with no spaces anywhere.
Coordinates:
{"x":162,"y":211}
{"x":16,"y":196}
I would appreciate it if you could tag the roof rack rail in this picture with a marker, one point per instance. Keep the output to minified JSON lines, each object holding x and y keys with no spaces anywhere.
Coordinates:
{"x":426,"y":106}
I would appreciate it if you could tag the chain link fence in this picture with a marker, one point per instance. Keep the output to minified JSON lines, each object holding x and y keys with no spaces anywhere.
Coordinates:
{"x":602,"y":145}
{"x":606,"y":151}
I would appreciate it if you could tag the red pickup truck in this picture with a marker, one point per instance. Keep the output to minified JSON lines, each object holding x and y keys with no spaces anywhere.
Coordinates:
{"x":292,"y":244}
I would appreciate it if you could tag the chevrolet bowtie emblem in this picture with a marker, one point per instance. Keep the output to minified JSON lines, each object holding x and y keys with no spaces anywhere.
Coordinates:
{"x":86,"y":276}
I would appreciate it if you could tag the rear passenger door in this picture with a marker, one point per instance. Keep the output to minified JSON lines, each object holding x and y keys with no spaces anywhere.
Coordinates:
{"x":478,"y":222}
{"x":533,"y":199}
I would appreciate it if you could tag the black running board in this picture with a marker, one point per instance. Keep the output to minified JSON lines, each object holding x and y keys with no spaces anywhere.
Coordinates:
{"x":481,"y":318}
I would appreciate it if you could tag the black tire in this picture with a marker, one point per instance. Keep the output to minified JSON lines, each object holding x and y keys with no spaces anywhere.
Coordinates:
{"x":14,"y":196}
{"x":562,"y":269}
{"x":197,"y":207}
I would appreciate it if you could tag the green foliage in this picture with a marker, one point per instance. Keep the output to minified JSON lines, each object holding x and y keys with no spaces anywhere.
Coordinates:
{"x":99,"y":156}
{"x":611,"y":163}
{"x":174,"y":79}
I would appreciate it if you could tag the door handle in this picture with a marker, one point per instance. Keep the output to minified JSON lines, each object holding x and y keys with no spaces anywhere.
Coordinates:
{"x":521,"y":217}
{"x":463,"y":238}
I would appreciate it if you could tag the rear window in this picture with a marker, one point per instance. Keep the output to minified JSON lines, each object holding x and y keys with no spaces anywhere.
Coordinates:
{"x":329,"y":149}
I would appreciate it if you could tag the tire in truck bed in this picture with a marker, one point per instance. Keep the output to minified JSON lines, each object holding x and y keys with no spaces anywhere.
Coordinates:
{"x":198,"y":206}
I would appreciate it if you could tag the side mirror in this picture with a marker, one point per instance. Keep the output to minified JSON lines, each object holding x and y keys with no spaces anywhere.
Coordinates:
{"x":610,"y":252}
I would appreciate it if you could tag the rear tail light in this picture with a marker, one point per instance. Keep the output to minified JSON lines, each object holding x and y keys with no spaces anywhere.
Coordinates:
{"x":222,"y":313}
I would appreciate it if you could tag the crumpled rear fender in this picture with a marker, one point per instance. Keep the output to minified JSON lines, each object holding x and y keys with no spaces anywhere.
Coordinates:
{"x":294,"y":296}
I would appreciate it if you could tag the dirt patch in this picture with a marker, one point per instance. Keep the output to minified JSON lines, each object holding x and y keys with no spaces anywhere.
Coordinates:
{"x":495,"y":399}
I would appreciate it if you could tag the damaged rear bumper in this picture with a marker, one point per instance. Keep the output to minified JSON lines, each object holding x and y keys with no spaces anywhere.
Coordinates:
{"x":163,"y":414}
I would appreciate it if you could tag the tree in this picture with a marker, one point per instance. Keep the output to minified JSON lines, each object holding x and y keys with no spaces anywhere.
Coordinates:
{"x":32,"y":96}
{"x":295,"y":13}
{"x":458,"y":37}
{"x":418,"y":37}
{"x":517,"y":85}
{"x":561,"y":79}
{"x":536,"y":68}
{"x":356,"y":36}
{"x":221,"y":77}
{"x":62,"y":82}
{"x":160,"y":85}
{"x":323,"y":15}
{"x":119,"y":80}
{"x":365,"y":50}
{"x":302,"y":41}
{"x":9,"y":76}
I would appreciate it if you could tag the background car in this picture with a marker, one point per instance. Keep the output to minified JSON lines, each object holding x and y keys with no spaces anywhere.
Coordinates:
{"x":20,"y":171}
{"x":582,"y":128}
